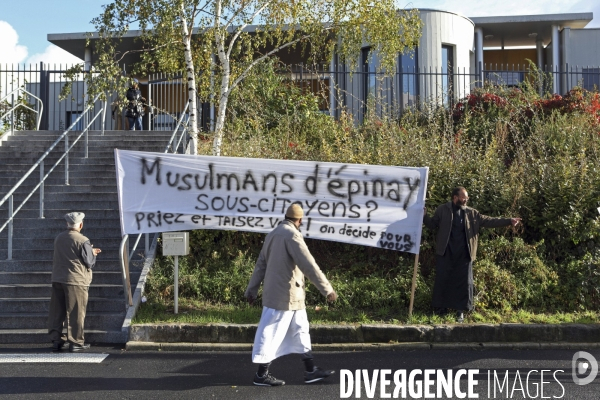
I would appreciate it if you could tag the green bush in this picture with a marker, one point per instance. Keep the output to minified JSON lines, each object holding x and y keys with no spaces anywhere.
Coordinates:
{"x":515,"y":157}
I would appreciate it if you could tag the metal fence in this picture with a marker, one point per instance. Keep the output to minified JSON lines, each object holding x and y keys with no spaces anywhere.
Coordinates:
{"x":340,"y":90}
{"x":165,"y":93}
{"x":359,"y":92}
{"x":168,"y":96}
{"x":47,"y":82}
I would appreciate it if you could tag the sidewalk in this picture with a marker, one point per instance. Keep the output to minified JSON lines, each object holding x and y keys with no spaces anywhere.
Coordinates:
{"x":239,"y":337}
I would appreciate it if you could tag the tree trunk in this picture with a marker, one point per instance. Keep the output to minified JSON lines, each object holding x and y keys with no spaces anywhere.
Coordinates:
{"x":192,"y":147}
{"x":220,"y":123}
{"x":224,"y":89}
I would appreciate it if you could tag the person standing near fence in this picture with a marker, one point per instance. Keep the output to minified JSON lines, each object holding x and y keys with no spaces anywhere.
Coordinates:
{"x":283,"y":327}
{"x":456,"y":247}
{"x":74,"y":258}
{"x":135,"y":106}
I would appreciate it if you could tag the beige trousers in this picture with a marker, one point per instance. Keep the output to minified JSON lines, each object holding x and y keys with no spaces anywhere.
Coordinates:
{"x":67,"y":307}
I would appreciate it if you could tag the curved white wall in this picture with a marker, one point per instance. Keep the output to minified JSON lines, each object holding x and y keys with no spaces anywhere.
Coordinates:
{"x":445,"y":28}
{"x":439,"y":28}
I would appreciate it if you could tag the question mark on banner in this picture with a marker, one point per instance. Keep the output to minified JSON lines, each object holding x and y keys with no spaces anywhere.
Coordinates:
{"x":369,"y":208}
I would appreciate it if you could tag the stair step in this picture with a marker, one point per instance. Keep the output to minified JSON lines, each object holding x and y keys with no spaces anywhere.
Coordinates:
{"x":102,"y":264}
{"x":58,"y":180}
{"x":70,"y":204}
{"x":25,"y":284}
{"x":41,"y":232}
{"x":74,"y":172}
{"x":42,"y":304}
{"x":35,"y":254}
{"x":44,"y":277}
{"x":93,"y":320}
{"x":72,"y":188}
{"x":50,"y":227}
{"x":24,"y":244}
{"x":60,"y":169}
{"x":41,"y":336}
{"x":68,"y":197}
{"x":45,"y":290}
{"x":91,"y":212}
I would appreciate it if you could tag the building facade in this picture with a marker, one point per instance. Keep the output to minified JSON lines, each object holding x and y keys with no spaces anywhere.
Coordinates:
{"x":455,"y":55}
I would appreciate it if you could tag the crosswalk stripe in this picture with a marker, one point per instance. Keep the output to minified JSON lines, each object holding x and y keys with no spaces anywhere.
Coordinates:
{"x":89,"y":358}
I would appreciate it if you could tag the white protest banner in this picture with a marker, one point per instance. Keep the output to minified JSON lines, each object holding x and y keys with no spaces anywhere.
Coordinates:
{"x":370,"y":205}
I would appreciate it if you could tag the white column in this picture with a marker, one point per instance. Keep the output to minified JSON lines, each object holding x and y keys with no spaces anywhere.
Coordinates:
{"x":539,"y":47}
{"x":87,"y":66}
{"x":479,"y":51}
{"x":555,"y":59}
{"x":87,"y":58}
{"x":564,"y":58}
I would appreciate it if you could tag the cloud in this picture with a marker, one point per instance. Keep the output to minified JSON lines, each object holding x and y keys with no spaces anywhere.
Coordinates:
{"x":11,"y":52}
{"x":54,"y":55}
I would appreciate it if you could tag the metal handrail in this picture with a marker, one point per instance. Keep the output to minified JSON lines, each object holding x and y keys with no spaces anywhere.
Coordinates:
{"x":43,"y":177}
{"x":39,"y":113}
{"x":125,"y":259}
{"x":124,"y":255}
{"x":176,"y":129}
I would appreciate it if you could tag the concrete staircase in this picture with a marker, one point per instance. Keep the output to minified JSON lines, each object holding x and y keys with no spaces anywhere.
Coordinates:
{"x":25,"y":280}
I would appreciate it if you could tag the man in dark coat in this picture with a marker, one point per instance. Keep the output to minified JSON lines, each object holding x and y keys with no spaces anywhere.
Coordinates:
{"x":135,"y":106}
{"x":456,"y":247}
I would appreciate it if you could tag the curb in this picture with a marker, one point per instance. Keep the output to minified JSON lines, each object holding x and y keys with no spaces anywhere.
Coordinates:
{"x":349,"y":347}
{"x":368,"y":334}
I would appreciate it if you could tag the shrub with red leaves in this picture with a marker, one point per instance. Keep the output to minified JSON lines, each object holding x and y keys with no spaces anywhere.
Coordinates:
{"x":478,"y":102}
{"x":577,"y":100}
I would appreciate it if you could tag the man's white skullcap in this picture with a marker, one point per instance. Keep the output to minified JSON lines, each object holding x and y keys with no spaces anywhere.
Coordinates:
{"x":294,"y":211}
{"x":74,"y":217}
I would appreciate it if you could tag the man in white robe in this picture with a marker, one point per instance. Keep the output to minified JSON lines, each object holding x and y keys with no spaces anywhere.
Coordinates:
{"x":283,"y":329}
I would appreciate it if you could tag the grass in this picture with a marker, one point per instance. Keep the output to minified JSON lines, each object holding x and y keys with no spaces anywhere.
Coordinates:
{"x":195,"y":312}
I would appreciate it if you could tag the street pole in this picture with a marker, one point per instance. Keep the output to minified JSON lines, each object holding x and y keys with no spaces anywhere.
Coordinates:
{"x":176,"y":283}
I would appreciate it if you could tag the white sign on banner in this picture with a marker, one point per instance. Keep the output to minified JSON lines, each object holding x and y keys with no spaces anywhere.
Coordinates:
{"x":370,"y":205}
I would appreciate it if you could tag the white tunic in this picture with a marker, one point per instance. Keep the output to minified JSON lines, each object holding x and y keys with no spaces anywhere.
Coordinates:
{"x":280,"y":333}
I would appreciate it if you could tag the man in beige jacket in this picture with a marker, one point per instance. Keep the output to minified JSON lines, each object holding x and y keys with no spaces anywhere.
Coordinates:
{"x":283,"y":329}
{"x":74,"y":258}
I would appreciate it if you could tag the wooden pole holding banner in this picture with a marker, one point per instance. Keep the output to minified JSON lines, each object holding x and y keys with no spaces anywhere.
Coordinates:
{"x":414,"y":285}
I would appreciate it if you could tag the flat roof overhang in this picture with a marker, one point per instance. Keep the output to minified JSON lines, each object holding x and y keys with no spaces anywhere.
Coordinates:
{"x":74,"y":43}
{"x":519,"y":30}
{"x":498,"y":31}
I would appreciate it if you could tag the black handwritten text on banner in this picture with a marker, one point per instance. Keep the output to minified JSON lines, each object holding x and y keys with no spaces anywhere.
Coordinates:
{"x":371,"y":205}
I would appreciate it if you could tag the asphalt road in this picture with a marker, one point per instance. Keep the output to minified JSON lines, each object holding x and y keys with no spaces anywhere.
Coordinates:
{"x":228,"y":375}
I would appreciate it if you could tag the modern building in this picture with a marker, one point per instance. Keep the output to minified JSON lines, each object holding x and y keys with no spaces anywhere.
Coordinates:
{"x":455,"y":54}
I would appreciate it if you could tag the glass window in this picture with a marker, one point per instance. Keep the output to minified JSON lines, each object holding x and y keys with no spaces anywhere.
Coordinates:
{"x":369,"y":77}
{"x":71,"y":117}
{"x":407,"y":68}
{"x":447,"y":71}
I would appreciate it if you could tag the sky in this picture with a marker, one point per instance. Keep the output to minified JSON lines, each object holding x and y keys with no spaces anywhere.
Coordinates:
{"x":25,"y":24}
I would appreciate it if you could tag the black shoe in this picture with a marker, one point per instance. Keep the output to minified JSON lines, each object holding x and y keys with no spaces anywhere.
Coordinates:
{"x":460,"y":318}
{"x":267,"y":380}
{"x":58,"y":345}
{"x":317,"y":375}
{"x":78,"y":347}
